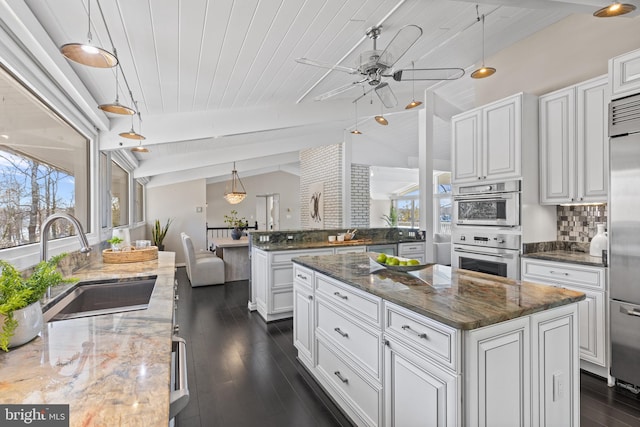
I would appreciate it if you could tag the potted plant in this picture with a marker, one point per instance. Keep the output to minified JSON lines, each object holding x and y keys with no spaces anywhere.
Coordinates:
{"x":20,"y":311}
{"x":116,"y":243}
{"x":158,"y":233}
{"x":237,"y":224}
{"x":392,"y":218}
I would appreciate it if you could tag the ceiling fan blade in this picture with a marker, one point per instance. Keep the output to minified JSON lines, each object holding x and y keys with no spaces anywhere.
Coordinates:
{"x":410,"y":74}
{"x":338,"y":90}
{"x":307,"y":61}
{"x":399,"y":45}
{"x":386,"y":95}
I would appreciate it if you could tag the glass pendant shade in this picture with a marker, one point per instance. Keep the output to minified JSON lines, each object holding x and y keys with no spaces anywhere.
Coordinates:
{"x":615,"y":9}
{"x":234,"y":191}
{"x":88,"y":54}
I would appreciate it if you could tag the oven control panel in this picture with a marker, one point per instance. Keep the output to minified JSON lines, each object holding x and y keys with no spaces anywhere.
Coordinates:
{"x":488,"y":239}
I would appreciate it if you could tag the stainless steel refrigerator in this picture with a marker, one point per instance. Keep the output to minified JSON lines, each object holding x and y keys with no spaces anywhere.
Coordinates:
{"x":624,"y":239}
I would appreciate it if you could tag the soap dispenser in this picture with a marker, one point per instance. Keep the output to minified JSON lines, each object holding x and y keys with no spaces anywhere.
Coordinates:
{"x":599,"y":241}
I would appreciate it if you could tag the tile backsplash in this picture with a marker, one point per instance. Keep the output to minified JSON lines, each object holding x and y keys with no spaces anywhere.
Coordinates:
{"x":577,"y":223}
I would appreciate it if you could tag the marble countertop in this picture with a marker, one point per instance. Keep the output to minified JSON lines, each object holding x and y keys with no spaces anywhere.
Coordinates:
{"x":567,"y":256}
{"x":459,"y":298}
{"x":112,"y":369}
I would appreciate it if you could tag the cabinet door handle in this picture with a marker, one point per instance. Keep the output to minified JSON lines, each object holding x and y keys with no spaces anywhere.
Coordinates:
{"x":418,"y":334}
{"x":302,"y":276}
{"x":387,"y":343}
{"x":339,"y":295}
{"x":558,"y":272}
{"x":343,"y":379}
{"x":344,"y":334}
{"x":310,"y":297}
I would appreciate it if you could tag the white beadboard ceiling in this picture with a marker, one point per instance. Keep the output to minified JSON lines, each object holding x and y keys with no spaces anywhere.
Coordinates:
{"x":217,"y":82}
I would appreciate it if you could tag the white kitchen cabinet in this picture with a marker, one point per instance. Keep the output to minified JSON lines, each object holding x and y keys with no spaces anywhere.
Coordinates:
{"x":494,"y":353}
{"x":412,"y":250}
{"x":272,"y":276}
{"x":487,"y":141}
{"x":304,"y":319}
{"x":624,"y":74}
{"x":350,"y":249}
{"x":574,"y":148}
{"x":592,"y":316}
{"x":417,"y":391}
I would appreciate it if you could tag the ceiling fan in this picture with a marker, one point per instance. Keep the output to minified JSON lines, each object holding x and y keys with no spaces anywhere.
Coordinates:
{"x":375,"y":65}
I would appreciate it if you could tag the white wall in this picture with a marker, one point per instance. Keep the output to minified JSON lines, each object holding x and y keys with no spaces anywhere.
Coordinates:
{"x":283,"y":183}
{"x":179,"y":201}
{"x":376,"y":210}
{"x":568,"y":52}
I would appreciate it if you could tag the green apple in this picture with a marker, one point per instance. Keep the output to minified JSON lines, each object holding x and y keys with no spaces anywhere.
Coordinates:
{"x":381,"y":258}
{"x":413,"y":262}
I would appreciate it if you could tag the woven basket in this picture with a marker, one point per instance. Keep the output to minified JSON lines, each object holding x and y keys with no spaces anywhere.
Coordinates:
{"x":133,"y":255}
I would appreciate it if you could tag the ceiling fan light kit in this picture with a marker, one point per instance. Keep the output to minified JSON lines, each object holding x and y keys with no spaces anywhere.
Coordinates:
{"x":614,"y":9}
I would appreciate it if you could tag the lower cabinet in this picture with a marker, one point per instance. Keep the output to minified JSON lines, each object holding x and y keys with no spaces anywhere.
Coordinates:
{"x":592,"y":315}
{"x":417,"y":392}
{"x":412,"y":250}
{"x":385,"y":365}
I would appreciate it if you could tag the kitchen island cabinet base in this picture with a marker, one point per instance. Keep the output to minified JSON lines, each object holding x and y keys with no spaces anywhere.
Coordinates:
{"x":519,"y":372}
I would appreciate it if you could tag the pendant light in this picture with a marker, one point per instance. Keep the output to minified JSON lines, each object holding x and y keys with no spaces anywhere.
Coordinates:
{"x":413,"y":102}
{"x":614,"y":9}
{"x":380,"y":119}
{"x":87,"y":53}
{"x":234,"y":191}
{"x":483,"y":71}
{"x":132,"y":133}
{"x":355,"y":131}
{"x":139,"y":148}
{"x":116,"y":107}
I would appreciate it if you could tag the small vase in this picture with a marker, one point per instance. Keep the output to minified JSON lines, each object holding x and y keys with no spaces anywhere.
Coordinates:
{"x":236,"y":233}
{"x":30,"y":323}
{"x":599,"y":241}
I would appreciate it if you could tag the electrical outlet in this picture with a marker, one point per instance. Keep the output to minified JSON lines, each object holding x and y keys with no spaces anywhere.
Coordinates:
{"x":289,"y":237}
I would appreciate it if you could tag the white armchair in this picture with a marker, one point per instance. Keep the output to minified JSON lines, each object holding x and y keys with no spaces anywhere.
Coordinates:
{"x":203,"y":268}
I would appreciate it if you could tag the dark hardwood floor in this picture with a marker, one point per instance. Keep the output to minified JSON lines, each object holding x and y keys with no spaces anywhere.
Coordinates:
{"x":243,"y":372}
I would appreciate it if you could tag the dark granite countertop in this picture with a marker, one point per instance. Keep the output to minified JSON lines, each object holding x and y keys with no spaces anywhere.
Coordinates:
{"x":459,"y":298}
{"x":293,"y":245}
{"x":574,"y":257}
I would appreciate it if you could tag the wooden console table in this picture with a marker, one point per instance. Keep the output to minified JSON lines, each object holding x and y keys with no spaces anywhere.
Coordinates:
{"x":235,"y":254}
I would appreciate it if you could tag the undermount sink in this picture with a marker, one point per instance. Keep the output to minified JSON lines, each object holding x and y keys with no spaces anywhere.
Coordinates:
{"x":93,"y":298}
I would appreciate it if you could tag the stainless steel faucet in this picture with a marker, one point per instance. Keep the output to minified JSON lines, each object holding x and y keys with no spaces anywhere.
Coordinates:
{"x":44,"y":234}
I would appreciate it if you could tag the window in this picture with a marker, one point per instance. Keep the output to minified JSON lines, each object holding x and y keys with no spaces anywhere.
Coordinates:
{"x":119,"y":195}
{"x":408,"y":207}
{"x":139,"y":202}
{"x":44,"y":167}
{"x":442,"y":202}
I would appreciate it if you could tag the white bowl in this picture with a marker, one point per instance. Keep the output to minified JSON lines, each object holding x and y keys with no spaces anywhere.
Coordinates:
{"x":332,"y":238}
{"x":341,"y":238}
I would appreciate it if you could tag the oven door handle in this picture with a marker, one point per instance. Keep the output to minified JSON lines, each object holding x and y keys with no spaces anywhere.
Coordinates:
{"x":465,"y":251}
{"x":498,"y":196}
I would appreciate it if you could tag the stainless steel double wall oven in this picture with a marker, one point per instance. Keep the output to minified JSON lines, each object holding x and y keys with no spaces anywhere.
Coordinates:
{"x":486,"y":228}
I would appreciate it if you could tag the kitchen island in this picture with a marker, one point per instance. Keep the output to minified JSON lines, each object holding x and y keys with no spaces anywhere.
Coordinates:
{"x":438,"y":346}
{"x":112,"y":369}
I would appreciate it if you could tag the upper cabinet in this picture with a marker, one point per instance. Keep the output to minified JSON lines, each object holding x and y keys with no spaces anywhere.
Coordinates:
{"x":574,"y":150}
{"x":624,"y":74}
{"x":487,"y":141}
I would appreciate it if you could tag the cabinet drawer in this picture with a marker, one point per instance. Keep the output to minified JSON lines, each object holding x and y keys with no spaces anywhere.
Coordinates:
{"x":436,"y":339}
{"x":411,"y":248}
{"x":362,"y":396}
{"x":303,"y":275}
{"x":287,"y":256}
{"x":556,"y":273}
{"x":350,"y":249}
{"x":359,"y":304}
{"x":362,"y":343}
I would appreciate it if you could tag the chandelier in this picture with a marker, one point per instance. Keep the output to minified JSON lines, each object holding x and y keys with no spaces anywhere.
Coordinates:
{"x":234,"y":191}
